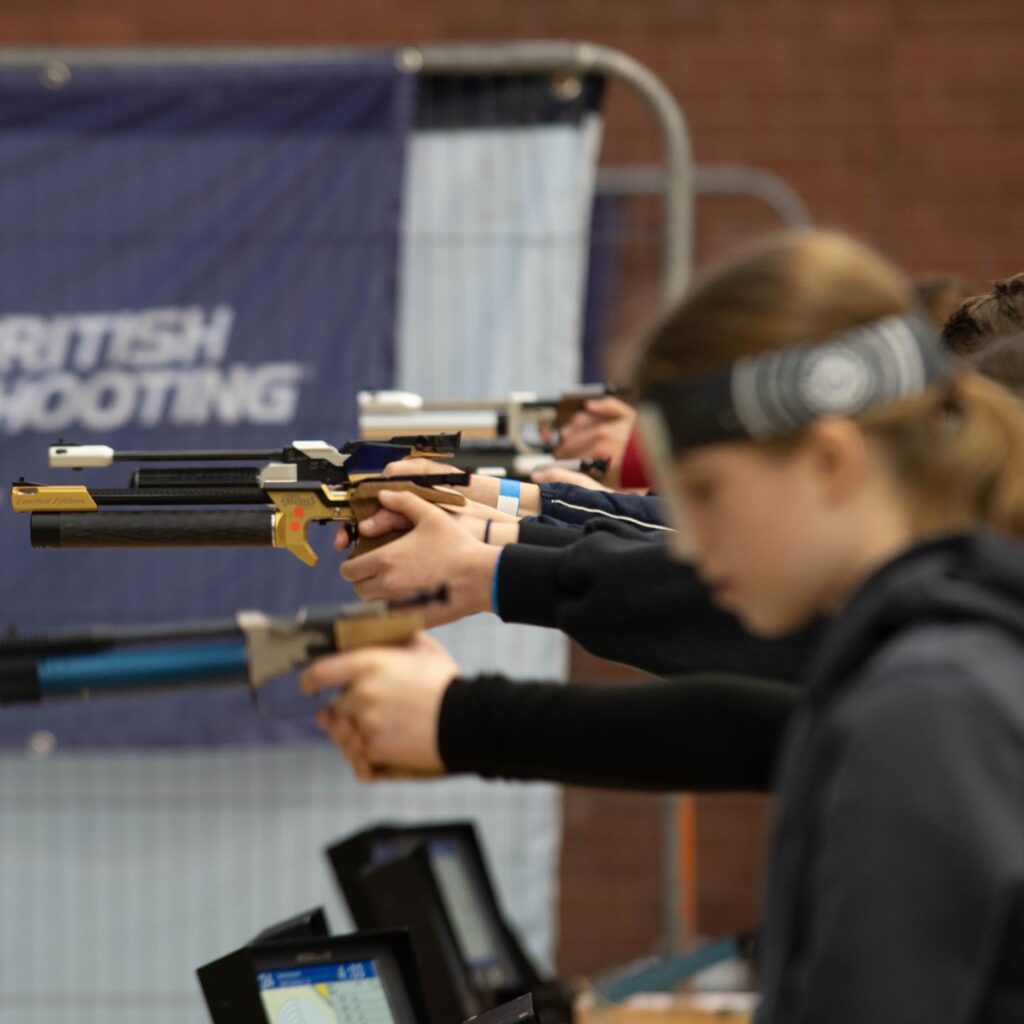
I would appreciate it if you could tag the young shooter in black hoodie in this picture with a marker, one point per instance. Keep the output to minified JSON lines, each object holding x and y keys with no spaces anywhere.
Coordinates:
{"x":827,"y":471}
{"x":622,"y":597}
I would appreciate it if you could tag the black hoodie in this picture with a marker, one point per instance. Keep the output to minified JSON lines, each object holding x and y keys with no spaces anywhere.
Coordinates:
{"x":697,"y":733}
{"x":896,"y":892}
{"x":620,"y":595}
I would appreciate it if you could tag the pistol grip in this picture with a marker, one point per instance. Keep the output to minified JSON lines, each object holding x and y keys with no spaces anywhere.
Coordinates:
{"x":382,"y":631}
{"x":567,"y":407}
{"x":365,"y":503}
{"x":364,"y":545}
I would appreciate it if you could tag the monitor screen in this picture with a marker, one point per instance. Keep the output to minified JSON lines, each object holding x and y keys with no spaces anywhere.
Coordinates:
{"x":349,"y":992}
{"x":475,"y":930}
{"x":490,"y":954}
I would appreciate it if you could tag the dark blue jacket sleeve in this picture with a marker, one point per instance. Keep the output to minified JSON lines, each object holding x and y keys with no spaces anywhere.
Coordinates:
{"x":579,"y":505}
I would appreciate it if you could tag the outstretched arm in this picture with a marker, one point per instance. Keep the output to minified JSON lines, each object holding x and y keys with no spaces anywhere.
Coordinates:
{"x":405,"y":710}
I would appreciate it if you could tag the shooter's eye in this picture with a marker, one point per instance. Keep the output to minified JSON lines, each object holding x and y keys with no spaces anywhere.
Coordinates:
{"x":700,"y":491}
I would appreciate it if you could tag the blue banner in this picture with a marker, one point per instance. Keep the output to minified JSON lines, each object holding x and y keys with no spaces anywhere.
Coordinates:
{"x":196,"y":256}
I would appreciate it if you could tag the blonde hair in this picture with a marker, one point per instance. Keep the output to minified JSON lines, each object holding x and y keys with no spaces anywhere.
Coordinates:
{"x":786,"y":289}
{"x":957,"y":451}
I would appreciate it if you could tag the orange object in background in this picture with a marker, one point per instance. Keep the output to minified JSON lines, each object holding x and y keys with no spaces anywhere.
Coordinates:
{"x":723,"y":856}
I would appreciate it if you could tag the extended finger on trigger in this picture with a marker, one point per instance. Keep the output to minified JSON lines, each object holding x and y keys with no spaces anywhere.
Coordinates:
{"x":350,"y":703}
{"x":336,"y":670}
{"x":362,"y":567}
{"x":410,"y":505}
{"x":345,"y":735}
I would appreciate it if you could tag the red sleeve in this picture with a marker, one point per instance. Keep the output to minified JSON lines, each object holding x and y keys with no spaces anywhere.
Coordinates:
{"x":634,"y":471}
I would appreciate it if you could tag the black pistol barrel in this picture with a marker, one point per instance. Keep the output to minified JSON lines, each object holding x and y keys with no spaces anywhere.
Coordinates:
{"x":143,"y":529}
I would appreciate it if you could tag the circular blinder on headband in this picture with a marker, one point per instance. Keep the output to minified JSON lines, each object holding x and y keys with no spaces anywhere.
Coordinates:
{"x":779,"y":392}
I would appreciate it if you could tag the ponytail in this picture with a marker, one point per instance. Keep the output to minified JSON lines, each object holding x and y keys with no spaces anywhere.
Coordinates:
{"x":958,"y":453}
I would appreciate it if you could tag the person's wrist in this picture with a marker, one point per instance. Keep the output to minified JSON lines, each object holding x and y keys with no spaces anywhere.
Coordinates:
{"x":529,"y":500}
{"x":503,"y":533}
{"x":485,"y":489}
{"x":509,"y":496}
{"x":478,"y":577}
{"x":433,"y":722}
{"x":447,"y":722}
{"x":476,"y":528}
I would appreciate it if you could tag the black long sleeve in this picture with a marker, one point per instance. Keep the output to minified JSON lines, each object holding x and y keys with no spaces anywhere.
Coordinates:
{"x":622,"y":597}
{"x":547,"y":535}
{"x":702,"y":733}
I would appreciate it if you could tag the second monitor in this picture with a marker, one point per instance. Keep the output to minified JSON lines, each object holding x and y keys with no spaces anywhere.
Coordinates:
{"x":495,"y":962}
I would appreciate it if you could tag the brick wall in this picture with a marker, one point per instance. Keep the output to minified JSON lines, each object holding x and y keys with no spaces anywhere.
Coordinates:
{"x":898,"y":120}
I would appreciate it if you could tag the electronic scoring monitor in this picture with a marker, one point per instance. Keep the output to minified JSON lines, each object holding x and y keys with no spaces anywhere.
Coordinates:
{"x":364,"y":978}
{"x":497,"y":966}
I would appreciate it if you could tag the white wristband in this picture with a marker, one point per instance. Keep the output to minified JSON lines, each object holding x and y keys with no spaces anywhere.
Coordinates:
{"x":508,"y":497}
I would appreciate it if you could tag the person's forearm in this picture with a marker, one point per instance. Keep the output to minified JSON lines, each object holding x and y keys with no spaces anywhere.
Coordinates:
{"x":698,"y":734}
{"x":579,"y":505}
{"x":501,"y":493}
{"x":547,"y":535}
{"x":626,"y":600}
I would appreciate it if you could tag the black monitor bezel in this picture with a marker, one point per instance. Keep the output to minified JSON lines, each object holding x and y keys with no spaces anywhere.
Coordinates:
{"x":519,"y":1010}
{"x":350,"y":858}
{"x":390,"y":948}
{"x":403,"y":891}
{"x":310,"y":924}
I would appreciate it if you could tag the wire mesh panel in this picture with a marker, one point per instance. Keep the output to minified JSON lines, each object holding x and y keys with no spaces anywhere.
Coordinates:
{"x":681,"y":872}
{"x":496,"y":236}
{"x":121,"y":869}
{"x":514,"y":269}
{"x":119,"y":875}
